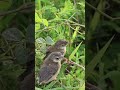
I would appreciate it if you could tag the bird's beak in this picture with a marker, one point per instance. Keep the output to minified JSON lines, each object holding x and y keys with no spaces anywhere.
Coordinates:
{"x":66,"y":42}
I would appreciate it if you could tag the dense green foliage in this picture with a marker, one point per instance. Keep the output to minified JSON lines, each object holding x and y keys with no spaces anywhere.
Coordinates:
{"x":102,"y":49}
{"x":15,"y":25}
{"x":61,"y":19}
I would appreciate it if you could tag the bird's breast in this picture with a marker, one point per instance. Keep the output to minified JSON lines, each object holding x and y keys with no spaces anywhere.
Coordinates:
{"x":63,"y":50}
{"x":59,"y":67}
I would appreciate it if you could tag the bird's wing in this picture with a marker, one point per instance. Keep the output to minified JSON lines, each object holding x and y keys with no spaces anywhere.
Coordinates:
{"x":47,"y":72}
{"x":48,"y":51}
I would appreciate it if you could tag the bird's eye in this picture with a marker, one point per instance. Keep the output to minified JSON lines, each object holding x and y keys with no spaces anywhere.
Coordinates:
{"x":57,"y":58}
{"x":62,"y":44}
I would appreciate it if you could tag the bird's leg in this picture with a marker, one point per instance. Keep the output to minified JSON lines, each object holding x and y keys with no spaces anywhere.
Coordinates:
{"x":65,"y":60}
{"x":70,"y":62}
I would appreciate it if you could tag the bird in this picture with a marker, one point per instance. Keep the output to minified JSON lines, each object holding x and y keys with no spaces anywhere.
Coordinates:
{"x":50,"y":68}
{"x":59,"y":46}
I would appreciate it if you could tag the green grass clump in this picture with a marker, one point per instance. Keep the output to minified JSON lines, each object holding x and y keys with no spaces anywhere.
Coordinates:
{"x":56,"y":20}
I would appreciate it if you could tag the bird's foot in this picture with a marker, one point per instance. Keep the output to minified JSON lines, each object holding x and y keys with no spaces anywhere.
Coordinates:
{"x":65,"y":60}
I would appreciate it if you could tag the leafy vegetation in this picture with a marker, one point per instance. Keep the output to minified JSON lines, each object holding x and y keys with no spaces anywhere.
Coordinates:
{"x":15,"y":24}
{"x":102,"y":46}
{"x":61,"y":19}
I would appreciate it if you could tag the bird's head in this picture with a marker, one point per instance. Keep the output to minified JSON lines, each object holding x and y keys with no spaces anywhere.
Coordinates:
{"x":56,"y":56}
{"x":61,"y":44}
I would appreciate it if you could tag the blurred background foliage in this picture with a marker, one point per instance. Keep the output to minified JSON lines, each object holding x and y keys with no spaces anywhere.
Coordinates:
{"x":15,"y":27}
{"x":102,"y":49}
{"x":61,"y":19}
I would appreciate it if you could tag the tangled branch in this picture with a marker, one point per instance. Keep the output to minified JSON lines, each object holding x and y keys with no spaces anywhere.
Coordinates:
{"x":104,"y":14}
{"x":73,"y":63}
{"x":25,"y":7}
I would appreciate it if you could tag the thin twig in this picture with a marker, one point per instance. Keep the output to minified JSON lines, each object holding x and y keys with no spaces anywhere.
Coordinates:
{"x":77,"y":64}
{"x":23,"y":7}
{"x":66,"y":20}
{"x":104,"y":14}
{"x":45,"y":29}
{"x":9,"y":49}
{"x":72,"y":62}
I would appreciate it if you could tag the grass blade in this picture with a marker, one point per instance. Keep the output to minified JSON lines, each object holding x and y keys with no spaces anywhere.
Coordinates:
{"x":97,"y":58}
{"x":75,"y":50}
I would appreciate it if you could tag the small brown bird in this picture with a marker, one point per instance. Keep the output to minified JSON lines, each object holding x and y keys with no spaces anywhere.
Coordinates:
{"x":59,"y":46}
{"x":50,"y":68}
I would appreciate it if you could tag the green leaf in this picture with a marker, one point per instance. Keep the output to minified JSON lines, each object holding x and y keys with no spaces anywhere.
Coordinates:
{"x":40,"y":40}
{"x":50,"y":85}
{"x":37,"y":18}
{"x":37,"y":27}
{"x":49,"y":40}
{"x":68,"y":9}
{"x":115,"y":77}
{"x":20,"y":54}
{"x":82,"y":87}
{"x":40,"y":20}
{"x":90,"y":67}
{"x":45,"y":22}
{"x":111,"y":25}
{"x":36,"y":88}
{"x":5,"y":4}
{"x":96,"y":18}
{"x":75,"y":33}
{"x":6,"y":21}
{"x":43,"y":48}
{"x":12,"y":34}
{"x":74,"y":52}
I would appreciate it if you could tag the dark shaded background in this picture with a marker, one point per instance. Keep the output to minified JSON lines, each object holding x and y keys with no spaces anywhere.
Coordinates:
{"x":101,"y":24}
{"x":17,"y":44}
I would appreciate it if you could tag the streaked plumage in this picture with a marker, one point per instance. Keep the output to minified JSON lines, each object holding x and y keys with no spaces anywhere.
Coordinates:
{"x":50,"y":67}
